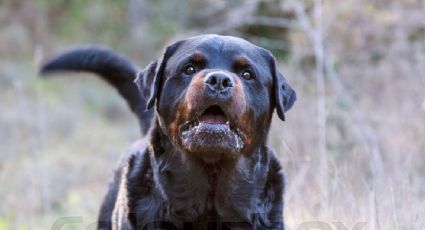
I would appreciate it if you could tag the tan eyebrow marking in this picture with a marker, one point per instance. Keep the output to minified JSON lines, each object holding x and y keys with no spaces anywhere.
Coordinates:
{"x":241,"y":61}
{"x":198,"y":56}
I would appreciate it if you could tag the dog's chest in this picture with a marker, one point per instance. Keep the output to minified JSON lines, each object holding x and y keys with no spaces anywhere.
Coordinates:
{"x":197,"y":195}
{"x":208,"y":197}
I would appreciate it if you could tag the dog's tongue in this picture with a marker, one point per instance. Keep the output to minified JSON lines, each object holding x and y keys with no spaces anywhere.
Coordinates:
{"x":213,"y":119}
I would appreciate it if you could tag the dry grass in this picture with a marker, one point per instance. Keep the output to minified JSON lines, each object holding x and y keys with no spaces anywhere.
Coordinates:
{"x":60,"y":139}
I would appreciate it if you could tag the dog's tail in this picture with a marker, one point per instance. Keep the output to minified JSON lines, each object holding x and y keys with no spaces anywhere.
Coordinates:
{"x":111,"y":67}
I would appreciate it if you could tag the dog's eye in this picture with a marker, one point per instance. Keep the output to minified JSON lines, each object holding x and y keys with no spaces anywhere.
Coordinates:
{"x":189,"y":70}
{"x":247,"y":74}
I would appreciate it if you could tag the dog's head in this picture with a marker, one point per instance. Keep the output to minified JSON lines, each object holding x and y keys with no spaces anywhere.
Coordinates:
{"x":215,"y":95}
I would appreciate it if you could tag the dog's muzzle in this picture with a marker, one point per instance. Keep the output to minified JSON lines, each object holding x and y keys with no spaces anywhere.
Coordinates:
{"x":219,"y":85}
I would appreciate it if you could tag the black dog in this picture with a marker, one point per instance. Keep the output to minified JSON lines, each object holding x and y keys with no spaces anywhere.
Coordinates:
{"x":206,"y":164}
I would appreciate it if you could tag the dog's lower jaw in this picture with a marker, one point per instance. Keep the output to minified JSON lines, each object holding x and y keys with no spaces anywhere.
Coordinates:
{"x":212,"y":142}
{"x":206,"y":142}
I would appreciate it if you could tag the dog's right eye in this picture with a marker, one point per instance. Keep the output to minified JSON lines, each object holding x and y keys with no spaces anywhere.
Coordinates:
{"x":189,"y":70}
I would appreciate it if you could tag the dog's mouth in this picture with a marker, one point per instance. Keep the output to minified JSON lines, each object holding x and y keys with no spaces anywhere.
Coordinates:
{"x":212,"y":131}
{"x":213,"y":115}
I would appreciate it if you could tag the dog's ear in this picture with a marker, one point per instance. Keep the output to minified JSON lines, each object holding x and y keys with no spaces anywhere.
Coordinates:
{"x":145,"y":81}
{"x":284,"y":95}
{"x":149,"y":80}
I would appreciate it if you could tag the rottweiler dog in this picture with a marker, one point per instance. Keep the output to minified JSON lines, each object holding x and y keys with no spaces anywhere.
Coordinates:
{"x":205,"y":107}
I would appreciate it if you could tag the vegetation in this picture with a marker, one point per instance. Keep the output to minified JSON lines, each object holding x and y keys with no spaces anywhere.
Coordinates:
{"x":353,"y":146}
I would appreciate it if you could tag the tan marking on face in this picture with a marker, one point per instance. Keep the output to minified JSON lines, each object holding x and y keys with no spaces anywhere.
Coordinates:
{"x":239,"y":111}
{"x":198,"y":56}
{"x":246,"y":125}
{"x":192,"y":100}
{"x":195,"y":91}
{"x":238,"y":101}
{"x":241,"y":61}
{"x":181,"y":115}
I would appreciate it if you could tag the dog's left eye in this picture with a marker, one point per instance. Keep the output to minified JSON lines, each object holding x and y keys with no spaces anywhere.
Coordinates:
{"x":189,"y":70}
{"x":247,"y":74}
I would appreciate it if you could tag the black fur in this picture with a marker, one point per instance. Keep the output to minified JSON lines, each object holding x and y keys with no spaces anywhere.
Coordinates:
{"x":163,"y":184}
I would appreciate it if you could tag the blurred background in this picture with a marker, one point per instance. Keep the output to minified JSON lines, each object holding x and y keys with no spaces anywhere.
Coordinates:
{"x":353,"y":146}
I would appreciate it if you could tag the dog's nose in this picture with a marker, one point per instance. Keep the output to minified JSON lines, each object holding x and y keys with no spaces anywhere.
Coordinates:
{"x":219,"y":82}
